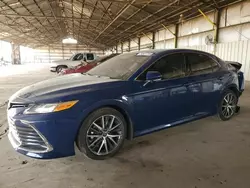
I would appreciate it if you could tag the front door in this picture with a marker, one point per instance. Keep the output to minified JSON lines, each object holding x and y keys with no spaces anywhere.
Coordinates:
{"x":161,"y":103}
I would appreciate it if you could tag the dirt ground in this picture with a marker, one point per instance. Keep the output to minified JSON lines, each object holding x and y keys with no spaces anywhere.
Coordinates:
{"x":203,"y":154}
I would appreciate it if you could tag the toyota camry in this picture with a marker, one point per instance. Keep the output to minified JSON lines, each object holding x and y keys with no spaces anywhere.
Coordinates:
{"x":130,"y":95}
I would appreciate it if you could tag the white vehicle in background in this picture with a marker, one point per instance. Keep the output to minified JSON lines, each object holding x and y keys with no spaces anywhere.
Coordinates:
{"x":75,"y":60}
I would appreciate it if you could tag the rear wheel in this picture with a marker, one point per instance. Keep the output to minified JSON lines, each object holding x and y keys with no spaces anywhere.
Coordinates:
{"x":102,"y":134}
{"x":228,"y":105}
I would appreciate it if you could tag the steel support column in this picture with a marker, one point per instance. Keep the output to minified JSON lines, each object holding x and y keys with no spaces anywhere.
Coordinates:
{"x":15,"y":55}
{"x":129,"y":45}
{"x":139,"y":43}
{"x":49,"y":55}
{"x":153,"y":40}
{"x":176,"y":35}
{"x":217,"y":18}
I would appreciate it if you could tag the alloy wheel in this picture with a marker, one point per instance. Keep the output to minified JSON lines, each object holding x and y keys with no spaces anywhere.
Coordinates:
{"x":104,"y":134}
{"x":229,"y":105}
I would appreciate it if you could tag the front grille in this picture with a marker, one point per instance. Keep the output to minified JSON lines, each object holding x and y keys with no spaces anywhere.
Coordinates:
{"x":27,"y":138}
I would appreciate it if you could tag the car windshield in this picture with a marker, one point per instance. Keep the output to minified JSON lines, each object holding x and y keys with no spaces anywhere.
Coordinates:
{"x":71,"y":58}
{"x":121,"y":66}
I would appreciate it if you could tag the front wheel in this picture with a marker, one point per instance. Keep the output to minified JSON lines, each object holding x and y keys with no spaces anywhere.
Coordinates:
{"x":60,"y":68}
{"x":228,"y":105}
{"x":102,"y":134}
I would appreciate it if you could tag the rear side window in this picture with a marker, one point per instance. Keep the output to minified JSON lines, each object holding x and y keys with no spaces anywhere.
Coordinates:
{"x":201,"y":64}
{"x":171,"y":67}
{"x":90,"y":56}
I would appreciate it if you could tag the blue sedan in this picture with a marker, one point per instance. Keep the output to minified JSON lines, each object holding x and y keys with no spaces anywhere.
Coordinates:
{"x":130,"y":95}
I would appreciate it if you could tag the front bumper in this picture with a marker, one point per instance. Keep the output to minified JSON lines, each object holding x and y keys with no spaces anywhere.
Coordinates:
{"x":27,"y":138}
{"x":43,"y":139}
{"x":53,"y":69}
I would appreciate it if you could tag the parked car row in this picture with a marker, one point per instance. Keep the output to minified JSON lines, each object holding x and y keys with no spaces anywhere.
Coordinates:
{"x":85,"y":66}
{"x":127,"y":96}
{"x":74,"y":60}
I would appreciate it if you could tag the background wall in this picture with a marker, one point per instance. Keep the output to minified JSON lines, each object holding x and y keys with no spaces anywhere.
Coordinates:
{"x":5,"y":51}
{"x":233,"y":39}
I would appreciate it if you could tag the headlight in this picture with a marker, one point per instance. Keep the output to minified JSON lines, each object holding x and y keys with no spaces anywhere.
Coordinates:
{"x":47,"y":108}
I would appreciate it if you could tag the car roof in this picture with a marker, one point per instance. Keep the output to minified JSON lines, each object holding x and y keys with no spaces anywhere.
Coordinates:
{"x":163,"y":51}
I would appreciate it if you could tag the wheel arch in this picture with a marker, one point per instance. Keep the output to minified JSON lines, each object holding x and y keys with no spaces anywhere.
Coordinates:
{"x":120,"y":108}
{"x":62,"y":66}
{"x":233,"y":87}
{"x":130,"y":127}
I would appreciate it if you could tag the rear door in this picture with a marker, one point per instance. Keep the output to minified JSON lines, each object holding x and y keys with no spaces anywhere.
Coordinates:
{"x":204,"y":82}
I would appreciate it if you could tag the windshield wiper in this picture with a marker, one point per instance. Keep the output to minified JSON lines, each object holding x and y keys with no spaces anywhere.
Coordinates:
{"x":98,"y":76}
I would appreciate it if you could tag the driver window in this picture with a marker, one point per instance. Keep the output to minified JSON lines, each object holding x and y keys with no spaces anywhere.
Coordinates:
{"x":170,"y":67}
{"x":80,"y":56}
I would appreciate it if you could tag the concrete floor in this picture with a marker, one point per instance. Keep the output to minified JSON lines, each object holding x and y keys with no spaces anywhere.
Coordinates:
{"x":202,"y":154}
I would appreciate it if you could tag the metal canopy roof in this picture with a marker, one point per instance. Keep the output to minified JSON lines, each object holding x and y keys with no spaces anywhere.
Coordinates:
{"x":94,"y":23}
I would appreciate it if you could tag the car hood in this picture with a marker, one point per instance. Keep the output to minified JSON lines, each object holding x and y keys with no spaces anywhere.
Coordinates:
{"x":60,"y":86}
{"x":58,"y":62}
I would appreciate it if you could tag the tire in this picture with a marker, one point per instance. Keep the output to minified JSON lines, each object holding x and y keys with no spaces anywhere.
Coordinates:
{"x":228,"y":105}
{"x":59,"y":68}
{"x":100,"y":141}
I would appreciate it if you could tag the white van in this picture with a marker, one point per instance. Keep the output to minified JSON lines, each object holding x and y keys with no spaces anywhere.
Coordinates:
{"x":74,"y":60}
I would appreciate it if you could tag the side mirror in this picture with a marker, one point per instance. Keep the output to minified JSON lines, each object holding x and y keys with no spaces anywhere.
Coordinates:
{"x":153,"y":75}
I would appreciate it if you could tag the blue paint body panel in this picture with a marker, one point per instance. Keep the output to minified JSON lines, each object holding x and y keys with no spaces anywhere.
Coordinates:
{"x":151,"y":107}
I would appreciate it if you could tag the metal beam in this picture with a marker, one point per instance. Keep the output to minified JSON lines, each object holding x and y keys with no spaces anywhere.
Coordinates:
{"x":44,"y":15}
{"x":117,"y":16}
{"x":63,"y":31}
{"x":19,"y":31}
{"x":6,"y":4}
{"x":170,"y":15}
{"x":147,"y":36}
{"x":168,"y":29}
{"x":96,"y":3}
{"x":144,"y":19}
{"x":208,"y":3}
{"x":81,"y":20}
{"x":60,"y":18}
{"x":206,"y":17}
{"x":48,"y":32}
{"x":132,"y":15}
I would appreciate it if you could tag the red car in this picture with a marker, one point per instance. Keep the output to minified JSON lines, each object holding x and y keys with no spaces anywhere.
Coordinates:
{"x":81,"y":68}
{"x":84,"y":66}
